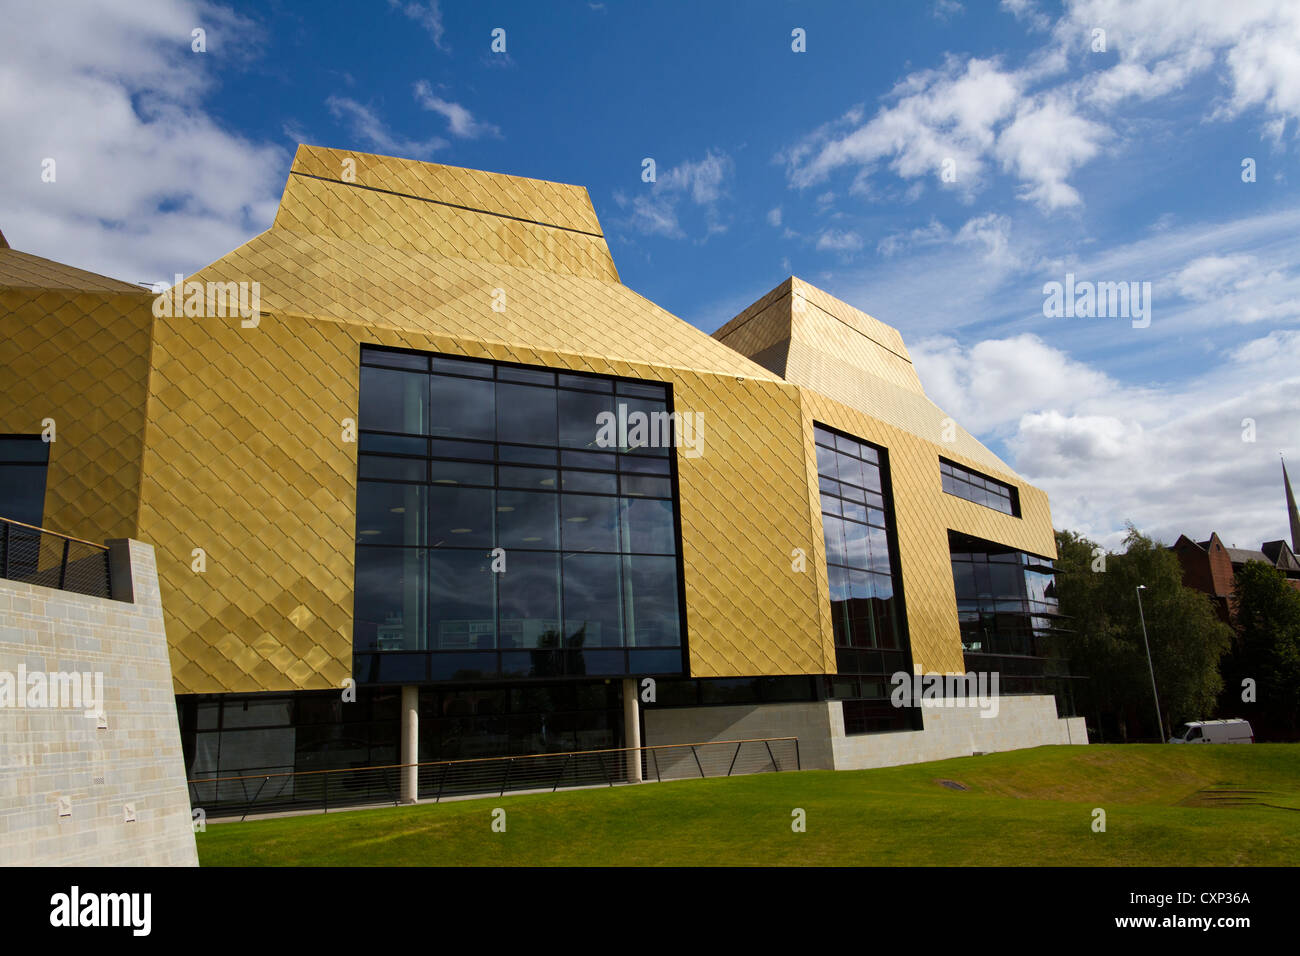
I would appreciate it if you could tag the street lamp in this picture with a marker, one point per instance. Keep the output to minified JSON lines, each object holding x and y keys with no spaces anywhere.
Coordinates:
{"x":1159,"y":723}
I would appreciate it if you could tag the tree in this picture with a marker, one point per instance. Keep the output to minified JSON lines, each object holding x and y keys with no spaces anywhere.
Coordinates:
{"x":1268,"y":648}
{"x":1093,"y":650}
{"x":1187,"y":640}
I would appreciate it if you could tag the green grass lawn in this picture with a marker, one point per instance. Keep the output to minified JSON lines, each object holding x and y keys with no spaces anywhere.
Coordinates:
{"x":1164,"y":806}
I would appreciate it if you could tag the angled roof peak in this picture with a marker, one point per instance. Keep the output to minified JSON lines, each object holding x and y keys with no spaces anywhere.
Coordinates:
{"x":558,"y":205}
{"x":22,"y":270}
{"x":822,"y":343}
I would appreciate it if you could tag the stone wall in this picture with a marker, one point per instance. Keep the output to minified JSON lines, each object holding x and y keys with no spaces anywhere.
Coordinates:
{"x":1021,"y":722}
{"x":70,"y":783}
{"x":810,"y":722}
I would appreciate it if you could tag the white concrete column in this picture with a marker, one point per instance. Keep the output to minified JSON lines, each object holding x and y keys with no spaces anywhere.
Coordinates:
{"x":410,"y":751}
{"x":632,"y":728}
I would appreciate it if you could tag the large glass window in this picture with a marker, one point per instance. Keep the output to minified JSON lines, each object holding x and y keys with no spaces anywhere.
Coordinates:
{"x":459,"y":458}
{"x":867,"y":619}
{"x":1007,"y":612}
{"x":979,"y":488}
{"x":24,"y":460}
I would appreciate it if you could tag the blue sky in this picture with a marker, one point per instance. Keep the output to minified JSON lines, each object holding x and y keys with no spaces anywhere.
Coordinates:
{"x":1117,"y":165}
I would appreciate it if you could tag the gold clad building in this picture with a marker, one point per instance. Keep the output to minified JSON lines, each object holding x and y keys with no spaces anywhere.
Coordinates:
{"x":417,"y":435}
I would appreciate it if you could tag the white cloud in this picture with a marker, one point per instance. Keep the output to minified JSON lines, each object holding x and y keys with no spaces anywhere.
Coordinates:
{"x":774,"y":217}
{"x":945,"y":10}
{"x":1257,"y":42}
{"x":1212,"y":275}
{"x":936,"y":115}
{"x":148,"y":184}
{"x":427,"y":15}
{"x":1027,"y":11}
{"x":959,"y":116}
{"x":703,"y":182}
{"x":839,"y":241}
{"x":366,"y":124}
{"x":1044,"y":144}
{"x":990,"y":233}
{"x":1238,"y":288}
{"x":1168,"y":457}
{"x":1051,"y":115}
{"x":459,"y":119}
{"x":989,"y":386}
{"x":1129,"y":79}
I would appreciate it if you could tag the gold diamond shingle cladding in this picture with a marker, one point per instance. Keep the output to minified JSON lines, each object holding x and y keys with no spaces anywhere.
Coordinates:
{"x":855,"y":375}
{"x":225,"y":444}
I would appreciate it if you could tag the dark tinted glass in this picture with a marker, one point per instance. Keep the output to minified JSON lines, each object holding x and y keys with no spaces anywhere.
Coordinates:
{"x":582,"y":459}
{"x":535,"y":479}
{"x":391,"y":514}
{"x":528,"y":520}
{"x":460,"y":517}
{"x":462,"y":367}
{"x":589,"y":523}
{"x":462,"y":408}
{"x":582,"y":415}
{"x":393,"y":469}
{"x":462,"y":606}
{"x":405,"y":360}
{"x":525,"y":413}
{"x":23,"y":466}
{"x":530,"y":600}
{"x":390,"y":599}
{"x":652,"y":614}
{"x":602,"y":483}
{"x":864,"y":615}
{"x":647,"y":526}
{"x":978,"y":488}
{"x":393,"y":444}
{"x":394,"y":401}
{"x":593,"y":606}
{"x":513,"y":459}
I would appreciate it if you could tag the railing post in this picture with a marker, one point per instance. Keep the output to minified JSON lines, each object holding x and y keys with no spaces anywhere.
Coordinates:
{"x":326,"y":808}
{"x":7,"y":549}
{"x":734,"y":757}
{"x":697,"y":761}
{"x":249,"y":806}
{"x":506,"y":778}
{"x":605,"y":770}
{"x":560,"y":775}
{"x":63,"y":564}
{"x":655,"y":753}
{"x":797,"y":764}
{"x":775,"y":766}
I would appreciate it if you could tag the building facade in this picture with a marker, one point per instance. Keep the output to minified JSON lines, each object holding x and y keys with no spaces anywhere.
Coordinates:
{"x":1210,"y":566}
{"x":425,"y":480}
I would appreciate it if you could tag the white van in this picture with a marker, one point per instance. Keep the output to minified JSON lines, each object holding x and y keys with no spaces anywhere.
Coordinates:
{"x":1235,"y":731}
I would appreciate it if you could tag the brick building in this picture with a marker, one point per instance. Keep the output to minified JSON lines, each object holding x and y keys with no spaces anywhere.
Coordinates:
{"x":1210,"y":566}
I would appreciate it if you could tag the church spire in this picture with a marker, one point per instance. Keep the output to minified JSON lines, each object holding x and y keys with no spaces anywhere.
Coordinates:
{"x":1291,"y":511}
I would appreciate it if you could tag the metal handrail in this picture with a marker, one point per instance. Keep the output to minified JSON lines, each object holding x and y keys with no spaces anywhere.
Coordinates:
{"x":312,"y":790}
{"x":25,"y":557}
{"x":465,"y":760}
{"x":57,"y":534}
